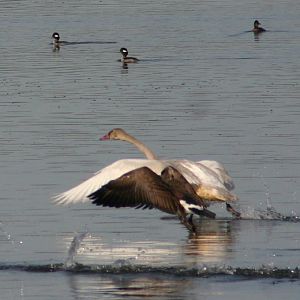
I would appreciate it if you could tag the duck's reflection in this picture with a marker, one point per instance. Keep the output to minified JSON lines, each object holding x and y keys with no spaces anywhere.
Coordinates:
{"x":256,"y":36}
{"x":124,"y":66}
{"x":55,"y":48}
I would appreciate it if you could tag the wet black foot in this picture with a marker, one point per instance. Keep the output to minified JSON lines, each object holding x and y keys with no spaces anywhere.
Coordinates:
{"x":234,"y":212}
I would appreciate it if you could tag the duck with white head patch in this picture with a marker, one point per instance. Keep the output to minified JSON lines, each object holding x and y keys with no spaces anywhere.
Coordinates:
{"x":127,"y":59}
{"x":56,"y":40}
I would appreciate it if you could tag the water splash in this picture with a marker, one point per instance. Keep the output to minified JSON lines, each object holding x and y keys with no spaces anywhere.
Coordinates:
{"x":180,"y":271}
{"x":269,"y":213}
{"x":267,"y":191}
{"x":9,"y":238}
{"x":130,"y":260}
{"x":74,"y":246}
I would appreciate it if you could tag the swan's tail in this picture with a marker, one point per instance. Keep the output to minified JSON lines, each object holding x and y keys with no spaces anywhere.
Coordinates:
{"x":211,"y":194}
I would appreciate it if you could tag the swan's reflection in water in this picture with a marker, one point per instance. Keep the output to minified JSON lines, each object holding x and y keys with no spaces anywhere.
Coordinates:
{"x":128,"y":286}
{"x":213,"y":244}
{"x":123,"y":252}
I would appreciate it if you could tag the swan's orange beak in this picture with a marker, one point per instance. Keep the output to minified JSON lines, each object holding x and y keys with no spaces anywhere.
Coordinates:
{"x":104,"y":138}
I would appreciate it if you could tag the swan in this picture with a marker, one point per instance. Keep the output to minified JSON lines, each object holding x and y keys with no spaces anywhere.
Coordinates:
{"x":209,"y":171}
{"x":142,"y":188}
{"x":209,"y":178}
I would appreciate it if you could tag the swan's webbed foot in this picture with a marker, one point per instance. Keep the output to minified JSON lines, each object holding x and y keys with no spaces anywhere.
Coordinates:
{"x":234,"y":212}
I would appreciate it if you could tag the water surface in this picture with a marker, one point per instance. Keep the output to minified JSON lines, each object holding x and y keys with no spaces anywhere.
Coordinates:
{"x":205,"y":89}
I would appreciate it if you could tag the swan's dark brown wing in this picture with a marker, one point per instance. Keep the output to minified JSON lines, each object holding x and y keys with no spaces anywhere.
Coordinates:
{"x":181,"y":188}
{"x":140,"y":188}
{"x":185,"y":192}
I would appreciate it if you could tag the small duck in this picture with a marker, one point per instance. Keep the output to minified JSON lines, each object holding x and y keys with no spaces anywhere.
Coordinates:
{"x":257,"y":28}
{"x":127,"y":59}
{"x":56,"y":40}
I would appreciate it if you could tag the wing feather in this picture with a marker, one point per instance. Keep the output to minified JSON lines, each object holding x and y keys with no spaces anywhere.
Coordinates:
{"x":140,"y":188}
{"x":79,"y":194}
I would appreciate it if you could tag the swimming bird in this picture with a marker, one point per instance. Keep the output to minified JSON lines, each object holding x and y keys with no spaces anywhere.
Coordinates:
{"x":142,"y":188}
{"x":209,"y":184}
{"x":257,"y":28}
{"x":127,"y":59}
{"x":56,"y":40}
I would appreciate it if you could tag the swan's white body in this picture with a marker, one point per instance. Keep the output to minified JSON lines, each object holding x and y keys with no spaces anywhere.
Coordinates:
{"x":209,"y":178}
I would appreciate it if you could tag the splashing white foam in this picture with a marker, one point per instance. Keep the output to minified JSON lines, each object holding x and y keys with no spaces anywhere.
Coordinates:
{"x":250,"y":213}
{"x":9,"y":237}
{"x":268,"y":212}
{"x":74,"y":246}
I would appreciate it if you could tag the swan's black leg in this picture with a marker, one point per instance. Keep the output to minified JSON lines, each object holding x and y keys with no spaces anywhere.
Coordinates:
{"x":188,"y":223}
{"x":190,"y":220}
{"x":234,"y":212}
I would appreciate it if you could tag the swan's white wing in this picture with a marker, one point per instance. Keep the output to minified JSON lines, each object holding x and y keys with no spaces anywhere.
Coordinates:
{"x":197,"y":173}
{"x":80,"y":193}
{"x":221,"y":172}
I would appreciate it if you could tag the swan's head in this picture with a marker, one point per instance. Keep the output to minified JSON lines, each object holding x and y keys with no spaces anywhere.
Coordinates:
{"x":115,"y":134}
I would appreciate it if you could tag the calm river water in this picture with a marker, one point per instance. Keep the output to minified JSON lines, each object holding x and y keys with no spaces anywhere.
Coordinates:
{"x":205,"y":88}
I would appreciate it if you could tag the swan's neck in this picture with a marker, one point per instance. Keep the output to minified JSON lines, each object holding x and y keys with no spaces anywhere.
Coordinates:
{"x":142,"y":147}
